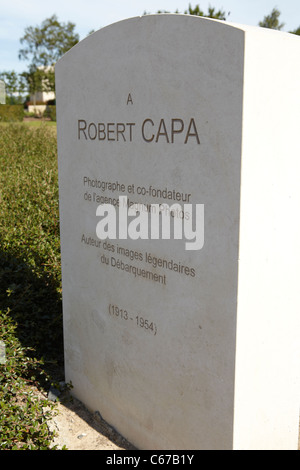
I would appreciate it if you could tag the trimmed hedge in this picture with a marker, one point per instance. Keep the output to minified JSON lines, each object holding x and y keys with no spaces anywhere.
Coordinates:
{"x":11,"y":112}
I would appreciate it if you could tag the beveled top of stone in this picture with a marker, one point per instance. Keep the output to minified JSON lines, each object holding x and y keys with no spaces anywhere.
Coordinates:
{"x":185,"y":21}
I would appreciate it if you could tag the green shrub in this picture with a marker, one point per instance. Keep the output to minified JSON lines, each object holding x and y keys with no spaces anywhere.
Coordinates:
{"x":11,"y":113}
{"x":50,"y":112}
{"x":30,"y":294}
{"x":23,"y":420}
{"x":29,"y":233}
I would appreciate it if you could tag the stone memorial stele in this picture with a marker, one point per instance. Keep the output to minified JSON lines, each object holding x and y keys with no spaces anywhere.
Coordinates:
{"x":182,"y":340}
{"x":2,"y":92}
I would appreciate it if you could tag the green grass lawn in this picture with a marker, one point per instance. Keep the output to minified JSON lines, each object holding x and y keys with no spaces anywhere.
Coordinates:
{"x":38,"y":123}
{"x":32,"y":124}
{"x":30,"y":280}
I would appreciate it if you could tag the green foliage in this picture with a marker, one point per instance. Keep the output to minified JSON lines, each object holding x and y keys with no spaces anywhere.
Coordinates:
{"x":212,"y":13}
{"x":43,"y":46}
{"x":50,"y":112}
{"x":14,"y":84}
{"x":271,"y":21}
{"x":30,"y":295}
{"x":23,"y":421}
{"x":29,"y":231}
{"x":11,"y":113}
{"x":196,"y":11}
{"x":39,"y":79}
{"x":296,"y":31}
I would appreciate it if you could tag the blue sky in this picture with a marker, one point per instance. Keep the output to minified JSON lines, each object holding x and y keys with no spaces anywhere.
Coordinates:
{"x":16,"y":15}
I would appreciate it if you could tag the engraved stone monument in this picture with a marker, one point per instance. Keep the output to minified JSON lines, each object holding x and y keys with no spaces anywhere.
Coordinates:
{"x":2,"y":92}
{"x":183,"y":336}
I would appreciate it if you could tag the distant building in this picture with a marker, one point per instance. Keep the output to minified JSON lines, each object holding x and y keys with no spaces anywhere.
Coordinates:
{"x":42,"y":96}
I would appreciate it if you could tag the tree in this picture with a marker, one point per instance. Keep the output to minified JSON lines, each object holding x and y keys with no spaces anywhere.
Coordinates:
{"x":296,"y":31}
{"x":15,"y":86}
{"x":271,"y":21}
{"x":39,"y":79}
{"x":212,"y":13}
{"x":43,"y":46}
{"x":196,"y":11}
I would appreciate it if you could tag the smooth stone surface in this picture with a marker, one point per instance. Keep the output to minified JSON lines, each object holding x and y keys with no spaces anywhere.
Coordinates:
{"x":176,"y":348}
